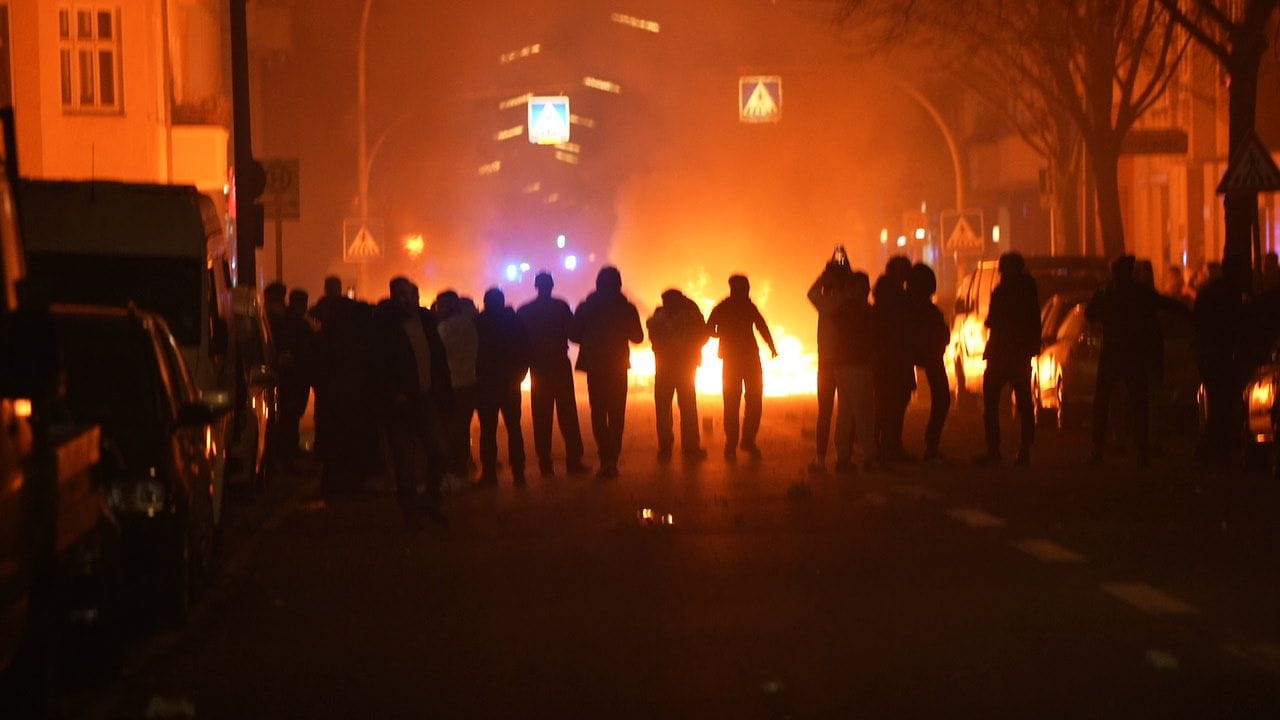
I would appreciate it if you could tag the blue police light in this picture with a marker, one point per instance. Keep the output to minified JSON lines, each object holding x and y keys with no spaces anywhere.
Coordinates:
{"x":513,"y":272}
{"x":571,"y":262}
{"x":560,"y":241}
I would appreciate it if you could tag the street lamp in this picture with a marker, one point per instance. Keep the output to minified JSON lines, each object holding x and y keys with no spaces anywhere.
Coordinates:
{"x":362,"y":120}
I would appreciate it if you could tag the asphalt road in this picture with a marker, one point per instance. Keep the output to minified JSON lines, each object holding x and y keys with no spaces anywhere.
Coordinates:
{"x":1060,"y":590}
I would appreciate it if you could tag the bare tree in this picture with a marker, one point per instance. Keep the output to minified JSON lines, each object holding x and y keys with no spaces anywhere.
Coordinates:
{"x":1099,"y":63}
{"x":1234,"y":32}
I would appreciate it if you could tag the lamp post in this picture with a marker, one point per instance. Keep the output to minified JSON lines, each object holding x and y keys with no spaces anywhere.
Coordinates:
{"x":957,"y":164}
{"x":362,"y":130}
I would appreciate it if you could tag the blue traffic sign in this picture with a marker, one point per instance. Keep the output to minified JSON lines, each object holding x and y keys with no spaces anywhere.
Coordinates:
{"x":549,"y":120}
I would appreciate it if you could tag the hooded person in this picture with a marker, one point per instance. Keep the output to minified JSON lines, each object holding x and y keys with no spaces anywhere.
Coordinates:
{"x":603,"y":326}
{"x":677,"y":331}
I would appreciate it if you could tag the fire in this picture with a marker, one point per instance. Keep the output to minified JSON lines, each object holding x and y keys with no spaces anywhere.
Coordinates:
{"x":793,"y":372}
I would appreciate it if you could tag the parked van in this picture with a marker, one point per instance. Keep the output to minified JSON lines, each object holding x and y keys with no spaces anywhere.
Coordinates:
{"x":159,"y":247}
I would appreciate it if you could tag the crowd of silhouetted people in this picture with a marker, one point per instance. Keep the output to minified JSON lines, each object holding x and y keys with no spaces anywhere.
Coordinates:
{"x":419,"y":377}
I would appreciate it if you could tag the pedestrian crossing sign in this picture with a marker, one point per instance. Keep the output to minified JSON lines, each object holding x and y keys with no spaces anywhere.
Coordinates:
{"x":359,"y":241}
{"x":963,"y":230}
{"x":1252,"y":169}
{"x":760,"y":99}
{"x":549,"y":120}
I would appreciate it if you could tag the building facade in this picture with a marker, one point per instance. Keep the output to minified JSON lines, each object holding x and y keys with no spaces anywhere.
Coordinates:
{"x":133,"y":90}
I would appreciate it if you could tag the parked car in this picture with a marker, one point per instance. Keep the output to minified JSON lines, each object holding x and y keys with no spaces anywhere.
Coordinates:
{"x":1065,"y":373}
{"x":124,"y":370}
{"x":159,"y":247}
{"x":251,"y":421}
{"x":1262,"y":419}
{"x":57,"y":543}
{"x":1069,"y":276}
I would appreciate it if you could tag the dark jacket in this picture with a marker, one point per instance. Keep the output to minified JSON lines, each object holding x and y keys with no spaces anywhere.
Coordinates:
{"x":1221,"y":327}
{"x":1131,"y":338}
{"x":546,"y":320}
{"x":1014,"y":320}
{"x":893,"y":361}
{"x":853,"y":340}
{"x":678,"y":332}
{"x":928,"y":331}
{"x":395,"y":369}
{"x":502,"y":349}
{"x":735,"y":321}
{"x":826,"y":299}
{"x":603,"y":326}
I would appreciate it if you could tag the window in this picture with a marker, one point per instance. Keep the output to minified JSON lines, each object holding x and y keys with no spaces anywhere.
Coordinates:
{"x":89,"y":58}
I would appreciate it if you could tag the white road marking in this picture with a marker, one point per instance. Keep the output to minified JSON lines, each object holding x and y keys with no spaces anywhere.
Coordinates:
{"x":1149,"y":599}
{"x":1048,"y":551}
{"x":976,"y":518}
{"x":1161,"y":660}
{"x":1265,"y":656}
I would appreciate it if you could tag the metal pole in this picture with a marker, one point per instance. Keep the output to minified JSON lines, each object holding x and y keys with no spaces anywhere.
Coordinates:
{"x":362,"y":121}
{"x":249,"y":177}
{"x":957,"y":164}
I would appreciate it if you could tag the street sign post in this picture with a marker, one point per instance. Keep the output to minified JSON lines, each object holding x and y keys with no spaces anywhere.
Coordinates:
{"x":549,"y":120}
{"x":1251,"y":169}
{"x":281,"y":200}
{"x":760,"y":99}
{"x":282,"y":196}
{"x":360,"y":242}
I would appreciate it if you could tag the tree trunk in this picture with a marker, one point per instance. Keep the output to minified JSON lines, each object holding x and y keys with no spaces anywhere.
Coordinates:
{"x":1065,"y":201}
{"x":1241,"y":208}
{"x":1104,"y":159}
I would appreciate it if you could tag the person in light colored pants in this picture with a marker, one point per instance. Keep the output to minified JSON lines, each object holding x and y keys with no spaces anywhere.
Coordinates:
{"x":856,"y":413}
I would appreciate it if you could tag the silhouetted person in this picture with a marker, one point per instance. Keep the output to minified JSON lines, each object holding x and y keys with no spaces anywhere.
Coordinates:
{"x":1014,"y":323}
{"x":735,"y":321}
{"x":678,"y":332}
{"x":273,"y":305}
{"x":346,"y":437}
{"x":1126,"y":310}
{"x":824,"y":296}
{"x":1221,"y":334}
{"x":854,"y":342}
{"x":551,"y":392}
{"x":458,"y":333}
{"x":1270,"y":279}
{"x":294,"y":360}
{"x":929,"y":336}
{"x":412,"y":375}
{"x":502,"y":359}
{"x":603,"y":325}
{"x":894,"y":365}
